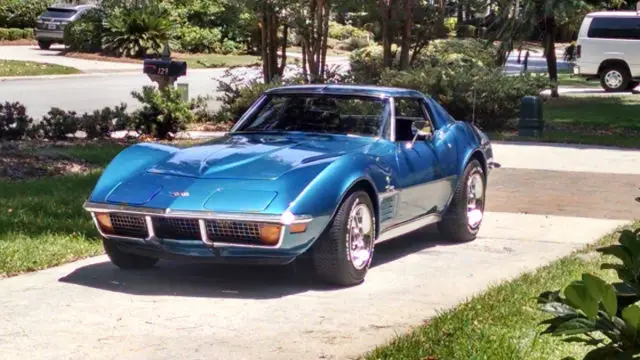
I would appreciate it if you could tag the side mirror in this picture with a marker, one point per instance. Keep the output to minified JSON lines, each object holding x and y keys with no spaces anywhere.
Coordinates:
{"x":423,"y":131}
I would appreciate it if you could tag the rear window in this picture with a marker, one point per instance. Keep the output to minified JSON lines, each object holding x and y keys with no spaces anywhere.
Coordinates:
{"x":615,"y":28}
{"x":59,"y":13}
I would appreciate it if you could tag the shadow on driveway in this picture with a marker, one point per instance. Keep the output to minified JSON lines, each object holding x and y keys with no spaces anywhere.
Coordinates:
{"x":233,"y":281}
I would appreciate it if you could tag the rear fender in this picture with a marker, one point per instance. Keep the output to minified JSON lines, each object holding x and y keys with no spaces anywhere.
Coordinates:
{"x":128,"y":163}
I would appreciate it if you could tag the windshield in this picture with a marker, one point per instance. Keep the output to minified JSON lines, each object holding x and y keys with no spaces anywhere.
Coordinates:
{"x":334,"y":114}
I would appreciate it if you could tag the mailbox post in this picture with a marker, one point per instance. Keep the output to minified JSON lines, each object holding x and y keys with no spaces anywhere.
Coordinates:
{"x":164,"y":71}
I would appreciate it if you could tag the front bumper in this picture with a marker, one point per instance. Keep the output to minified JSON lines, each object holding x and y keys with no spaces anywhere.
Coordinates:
{"x":202,"y":244}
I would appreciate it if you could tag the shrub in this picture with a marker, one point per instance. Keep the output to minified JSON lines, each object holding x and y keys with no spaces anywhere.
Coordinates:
{"x":135,"y":32}
{"x":601,"y":315}
{"x":15,"y":34}
{"x":57,"y":124}
{"x":450,"y":24}
{"x":85,"y":35}
{"x":199,"y":40}
{"x":366,"y":64}
{"x":470,"y":91}
{"x":102,"y":122}
{"x":465,"y":31}
{"x":354,"y":44}
{"x":164,"y":112}
{"x":21,"y":13}
{"x":344,"y":32}
{"x":230,"y":47}
{"x":14,"y":122}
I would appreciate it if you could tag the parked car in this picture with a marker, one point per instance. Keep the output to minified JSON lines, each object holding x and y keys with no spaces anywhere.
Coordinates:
{"x":50,"y":27}
{"x":323,"y":170}
{"x":608,"y":48}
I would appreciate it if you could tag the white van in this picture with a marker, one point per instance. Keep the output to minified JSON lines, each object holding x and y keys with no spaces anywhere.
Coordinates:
{"x":608,"y":48}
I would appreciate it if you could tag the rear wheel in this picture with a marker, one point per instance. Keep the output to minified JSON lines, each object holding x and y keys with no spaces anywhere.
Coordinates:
{"x":343,"y":254}
{"x":44,"y":45}
{"x":615,"y":79}
{"x":126,"y":260}
{"x":463,"y":217}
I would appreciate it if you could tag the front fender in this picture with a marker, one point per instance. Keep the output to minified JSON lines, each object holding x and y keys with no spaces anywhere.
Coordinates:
{"x":128,"y":163}
{"x":324,"y":194}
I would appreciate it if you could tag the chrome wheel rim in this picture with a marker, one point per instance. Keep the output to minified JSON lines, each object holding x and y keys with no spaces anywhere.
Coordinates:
{"x":613,"y":79}
{"x":360,"y":229}
{"x":475,"y":200}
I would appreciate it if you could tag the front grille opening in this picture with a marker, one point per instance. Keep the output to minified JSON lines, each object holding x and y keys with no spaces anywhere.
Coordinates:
{"x":237,"y":232}
{"x":177,"y":228}
{"x":129,"y":225}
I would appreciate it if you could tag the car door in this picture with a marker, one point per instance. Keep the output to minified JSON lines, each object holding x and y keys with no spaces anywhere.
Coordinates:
{"x":420,"y":172}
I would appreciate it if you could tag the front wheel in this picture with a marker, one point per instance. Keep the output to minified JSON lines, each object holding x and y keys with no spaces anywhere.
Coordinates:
{"x":343,"y":254}
{"x":461,"y":222}
{"x":126,"y":260}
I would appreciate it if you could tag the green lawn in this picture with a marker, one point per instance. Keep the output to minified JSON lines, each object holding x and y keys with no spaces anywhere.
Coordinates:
{"x":566,"y":79}
{"x":28,"y":68}
{"x":588,"y":119}
{"x":42,"y":223}
{"x":500,"y":323}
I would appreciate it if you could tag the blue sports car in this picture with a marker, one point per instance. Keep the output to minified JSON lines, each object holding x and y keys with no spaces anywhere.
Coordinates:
{"x":323,"y":170}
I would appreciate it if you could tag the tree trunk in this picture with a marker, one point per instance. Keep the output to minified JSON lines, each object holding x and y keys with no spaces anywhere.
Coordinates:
{"x":460,"y":11}
{"x":283,"y":61}
{"x":550,"y":48}
{"x":406,"y":34}
{"x":273,"y":45}
{"x":386,"y":12}
{"x":264,"y":45}
{"x":325,"y":39}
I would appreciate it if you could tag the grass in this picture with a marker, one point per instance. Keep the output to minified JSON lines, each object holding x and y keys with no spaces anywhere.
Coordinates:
{"x":42,"y":222}
{"x":589,"y":120}
{"x":571,"y":80}
{"x":501,"y":323}
{"x":28,"y":68}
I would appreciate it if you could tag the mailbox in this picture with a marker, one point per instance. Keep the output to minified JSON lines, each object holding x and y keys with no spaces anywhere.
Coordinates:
{"x":531,"y":122}
{"x":165,"y":67}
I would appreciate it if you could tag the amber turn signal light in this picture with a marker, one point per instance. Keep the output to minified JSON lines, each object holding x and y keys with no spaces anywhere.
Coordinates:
{"x":104,"y":220}
{"x":297,"y":228}
{"x":270,"y":234}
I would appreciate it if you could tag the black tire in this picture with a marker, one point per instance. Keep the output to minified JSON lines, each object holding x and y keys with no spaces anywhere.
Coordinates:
{"x":454,"y":225}
{"x":331,"y":252}
{"x":615,"y":71}
{"x":44,"y":45}
{"x":126,"y":260}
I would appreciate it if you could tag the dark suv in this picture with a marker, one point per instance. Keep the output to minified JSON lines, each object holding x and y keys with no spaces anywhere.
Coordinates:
{"x":50,"y":27}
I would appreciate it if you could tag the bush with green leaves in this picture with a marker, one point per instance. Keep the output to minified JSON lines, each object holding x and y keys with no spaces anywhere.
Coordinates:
{"x":450,"y":24}
{"x":85,"y":35}
{"x":15,"y":34}
{"x":471,"y":92}
{"x":135,"y":32}
{"x":601,"y":315}
{"x":14,"y":121}
{"x":163,"y":112}
{"x":21,"y":14}
{"x":465,"y":31}
{"x":344,"y":32}
{"x":195,"y":39}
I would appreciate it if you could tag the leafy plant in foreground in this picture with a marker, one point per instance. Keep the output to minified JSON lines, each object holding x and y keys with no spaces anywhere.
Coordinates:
{"x":600,"y":314}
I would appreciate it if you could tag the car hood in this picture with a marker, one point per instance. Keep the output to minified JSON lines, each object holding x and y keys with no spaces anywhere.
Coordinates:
{"x":258,"y":156}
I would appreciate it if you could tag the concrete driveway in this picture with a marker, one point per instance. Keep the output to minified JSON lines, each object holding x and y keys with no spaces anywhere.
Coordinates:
{"x":53,"y":56}
{"x":539,"y":209}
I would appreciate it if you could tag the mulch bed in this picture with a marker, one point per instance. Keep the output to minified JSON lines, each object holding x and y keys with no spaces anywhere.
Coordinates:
{"x":27,"y":160}
{"x":19,"y":42}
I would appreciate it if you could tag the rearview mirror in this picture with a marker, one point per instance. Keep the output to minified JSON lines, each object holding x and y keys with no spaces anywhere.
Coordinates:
{"x":422,"y":131}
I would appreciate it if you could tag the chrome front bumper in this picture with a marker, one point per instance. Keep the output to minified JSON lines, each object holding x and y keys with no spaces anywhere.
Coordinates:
{"x":285,"y":220}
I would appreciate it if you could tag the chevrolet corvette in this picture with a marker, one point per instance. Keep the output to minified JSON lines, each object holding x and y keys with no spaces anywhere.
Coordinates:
{"x":324,"y":170}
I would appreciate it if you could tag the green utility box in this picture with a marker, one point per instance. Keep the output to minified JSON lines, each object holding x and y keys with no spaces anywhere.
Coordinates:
{"x":531,"y":122}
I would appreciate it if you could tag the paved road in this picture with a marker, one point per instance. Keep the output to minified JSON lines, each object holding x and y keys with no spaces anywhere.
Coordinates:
{"x":89,"y":309}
